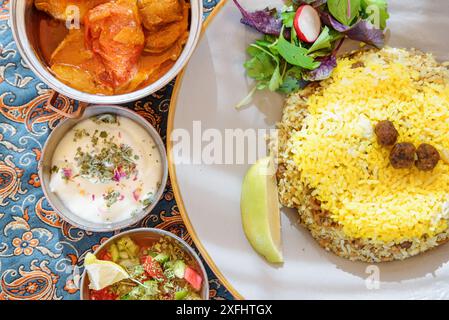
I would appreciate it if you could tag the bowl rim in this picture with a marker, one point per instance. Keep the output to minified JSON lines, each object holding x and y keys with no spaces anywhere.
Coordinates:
{"x":96,"y":110}
{"x":28,"y":53}
{"x":205,"y":289}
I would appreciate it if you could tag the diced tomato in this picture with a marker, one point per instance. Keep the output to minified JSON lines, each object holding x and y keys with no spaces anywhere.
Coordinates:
{"x":103,"y":294}
{"x":152,"y":267}
{"x":105,"y":256}
{"x":193,"y":278}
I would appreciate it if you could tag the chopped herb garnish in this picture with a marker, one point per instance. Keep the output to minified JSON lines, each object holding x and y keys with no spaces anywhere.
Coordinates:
{"x":111,"y":197}
{"x":112,"y":163}
{"x":94,"y":139}
{"x":135,"y":213}
{"x":79,"y":134}
{"x":54,"y":169}
{"x":105,"y":118}
{"x":148,"y":200}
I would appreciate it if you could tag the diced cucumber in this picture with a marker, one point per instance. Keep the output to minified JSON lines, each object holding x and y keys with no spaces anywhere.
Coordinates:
{"x":125,"y":297}
{"x":128,"y":264}
{"x":137,"y":271}
{"x":120,"y":245}
{"x":169,"y":273}
{"x":179,"y":268}
{"x":113,"y":251}
{"x":161,"y":258}
{"x":181,"y":295}
{"x":192,"y":296}
{"x":131,"y":247}
{"x":136,"y":293}
{"x":167,"y":265}
{"x":123,"y":255}
{"x":151,"y":288}
{"x":126,"y":244}
{"x":152,"y":254}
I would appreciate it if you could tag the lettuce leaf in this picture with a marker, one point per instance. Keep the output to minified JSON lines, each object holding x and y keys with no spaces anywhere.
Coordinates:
{"x":376,"y":11}
{"x":266,"y":21}
{"x":325,"y":41}
{"x":362,"y":30}
{"x":294,"y":55}
{"x":324,"y":71}
{"x":263,"y":67}
{"x":345,"y":11}
{"x":281,"y":62}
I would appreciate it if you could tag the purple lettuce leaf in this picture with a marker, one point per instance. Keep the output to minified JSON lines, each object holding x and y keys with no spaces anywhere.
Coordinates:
{"x":361,"y":31}
{"x":366,"y":32}
{"x":331,"y":22}
{"x":324,"y":71}
{"x":265,"y":21}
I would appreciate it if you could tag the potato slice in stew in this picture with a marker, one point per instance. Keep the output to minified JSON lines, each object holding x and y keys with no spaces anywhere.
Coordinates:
{"x":72,"y":49}
{"x":160,"y":40}
{"x":60,"y":9}
{"x":156,"y":13}
{"x":79,"y":79}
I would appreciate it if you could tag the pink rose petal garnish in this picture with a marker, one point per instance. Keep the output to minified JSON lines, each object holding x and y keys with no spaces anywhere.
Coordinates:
{"x":67,"y":172}
{"x":136,"y":194}
{"x":116,"y":175}
{"x":119,"y":174}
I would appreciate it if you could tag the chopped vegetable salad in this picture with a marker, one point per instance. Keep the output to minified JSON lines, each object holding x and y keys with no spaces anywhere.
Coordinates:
{"x":160,"y":271}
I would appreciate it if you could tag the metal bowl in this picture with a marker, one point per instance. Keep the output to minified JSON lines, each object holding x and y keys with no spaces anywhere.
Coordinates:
{"x":45,"y":165}
{"x":150,"y":235}
{"x":24,"y":35}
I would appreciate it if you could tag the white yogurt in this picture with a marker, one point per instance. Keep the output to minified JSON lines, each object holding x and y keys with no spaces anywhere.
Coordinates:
{"x":128,"y":192}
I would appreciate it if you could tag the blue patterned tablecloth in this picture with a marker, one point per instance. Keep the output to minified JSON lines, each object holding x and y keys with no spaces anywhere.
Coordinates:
{"x":40,"y":254}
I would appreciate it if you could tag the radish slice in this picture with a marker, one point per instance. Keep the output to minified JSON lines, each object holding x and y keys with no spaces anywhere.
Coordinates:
{"x":307,"y":23}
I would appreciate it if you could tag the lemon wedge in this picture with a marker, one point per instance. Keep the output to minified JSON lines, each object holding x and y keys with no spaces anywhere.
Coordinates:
{"x":103,"y":273}
{"x":260,"y":210}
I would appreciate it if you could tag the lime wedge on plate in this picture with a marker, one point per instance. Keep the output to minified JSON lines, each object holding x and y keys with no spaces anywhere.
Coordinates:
{"x":260,"y":210}
{"x":103,"y":273}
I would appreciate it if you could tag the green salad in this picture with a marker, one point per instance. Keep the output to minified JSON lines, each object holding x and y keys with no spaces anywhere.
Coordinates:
{"x":299,"y":42}
{"x":161,"y":271}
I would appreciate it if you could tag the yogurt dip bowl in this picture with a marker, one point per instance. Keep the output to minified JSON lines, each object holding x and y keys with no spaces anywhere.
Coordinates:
{"x":73,"y":199}
{"x":145,"y":237}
